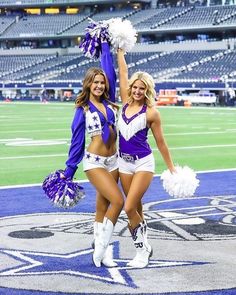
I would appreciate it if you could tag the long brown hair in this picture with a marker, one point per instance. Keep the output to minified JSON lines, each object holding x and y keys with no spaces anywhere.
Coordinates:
{"x":83,"y":97}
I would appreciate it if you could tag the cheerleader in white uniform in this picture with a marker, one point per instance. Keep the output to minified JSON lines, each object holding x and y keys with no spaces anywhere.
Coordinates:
{"x":136,"y":161}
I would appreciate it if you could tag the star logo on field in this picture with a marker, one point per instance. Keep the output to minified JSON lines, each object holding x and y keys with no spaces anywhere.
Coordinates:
{"x":79,"y":263}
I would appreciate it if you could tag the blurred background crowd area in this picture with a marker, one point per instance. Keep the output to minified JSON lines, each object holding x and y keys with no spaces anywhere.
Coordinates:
{"x":188,"y":46}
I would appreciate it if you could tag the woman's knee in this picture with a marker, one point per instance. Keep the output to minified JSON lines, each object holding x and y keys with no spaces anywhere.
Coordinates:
{"x":121,"y":202}
{"x":118,"y":203}
{"x":130,"y":210}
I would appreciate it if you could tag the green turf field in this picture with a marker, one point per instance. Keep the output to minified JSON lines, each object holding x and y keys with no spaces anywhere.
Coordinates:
{"x":34,"y":139}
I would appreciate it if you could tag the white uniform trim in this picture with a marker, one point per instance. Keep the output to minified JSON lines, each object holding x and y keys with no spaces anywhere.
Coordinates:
{"x":129,"y":130}
{"x":93,"y":122}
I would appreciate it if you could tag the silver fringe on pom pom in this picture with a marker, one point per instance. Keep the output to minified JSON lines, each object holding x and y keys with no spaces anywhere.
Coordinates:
{"x":96,"y":32}
{"x":62,"y":192}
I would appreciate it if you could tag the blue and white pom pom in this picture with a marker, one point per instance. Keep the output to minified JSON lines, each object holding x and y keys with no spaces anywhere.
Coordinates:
{"x":115,"y":31}
{"x":62,"y":192}
{"x":95,"y":33}
{"x":181,"y":184}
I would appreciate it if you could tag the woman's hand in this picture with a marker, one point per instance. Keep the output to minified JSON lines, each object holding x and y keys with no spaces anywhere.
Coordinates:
{"x":120,"y":50}
{"x":172,"y":170}
{"x":62,"y":176}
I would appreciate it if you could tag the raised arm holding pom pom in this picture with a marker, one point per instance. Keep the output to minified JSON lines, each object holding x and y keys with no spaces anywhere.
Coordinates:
{"x":136,"y":160}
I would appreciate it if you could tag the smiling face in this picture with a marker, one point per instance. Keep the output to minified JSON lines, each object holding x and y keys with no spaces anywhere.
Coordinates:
{"x":98,"y":86}
{"x":138,"y":90}
{"x":141,"y":88}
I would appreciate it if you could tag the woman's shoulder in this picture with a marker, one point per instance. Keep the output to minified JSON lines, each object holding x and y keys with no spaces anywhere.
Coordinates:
{"x":80,"y":111}
{"x":152,"y":109}
{"x":153,"y":113}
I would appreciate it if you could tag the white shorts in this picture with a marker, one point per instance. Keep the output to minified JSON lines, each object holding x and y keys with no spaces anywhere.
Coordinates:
{"x":92,"y":161}
{"x":144,"y":164}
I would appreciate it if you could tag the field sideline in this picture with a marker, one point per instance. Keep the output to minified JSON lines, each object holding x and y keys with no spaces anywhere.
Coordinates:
{"x":34,"y":139}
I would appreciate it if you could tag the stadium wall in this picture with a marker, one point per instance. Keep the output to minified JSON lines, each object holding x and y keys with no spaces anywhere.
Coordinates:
{"x":139,"y":47}
{"x":183,"y":46}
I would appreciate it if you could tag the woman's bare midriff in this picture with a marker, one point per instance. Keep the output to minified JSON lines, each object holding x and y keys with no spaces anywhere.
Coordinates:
{"x":98,"y":147}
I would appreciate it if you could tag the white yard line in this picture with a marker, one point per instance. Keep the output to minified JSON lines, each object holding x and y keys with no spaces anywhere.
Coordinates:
{"x":36,"y":130}
{"x":33,"y":156}
{"x":30,"y":185}
{"x":198,"y":132}
{"x":204,"y":146}
{"x":150,"y":135}
{"x":171,"y":148}
{"x":199,"y":147}
{"x":30,"y":139}
{"x":55,"y":103}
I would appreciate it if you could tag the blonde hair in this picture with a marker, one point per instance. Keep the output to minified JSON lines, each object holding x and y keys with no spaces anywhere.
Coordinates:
{"x":83,"y":97}
{"x":149,"y":83}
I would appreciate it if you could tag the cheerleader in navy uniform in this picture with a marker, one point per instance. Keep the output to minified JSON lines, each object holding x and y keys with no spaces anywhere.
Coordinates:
{"x":96,"y":114}
{"x":136,"y":161}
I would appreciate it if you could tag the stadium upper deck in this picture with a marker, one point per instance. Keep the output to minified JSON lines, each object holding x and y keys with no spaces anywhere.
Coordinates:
{"x":152,"y":22}
{"x":53,"y":3}
{"x":184,"y":45}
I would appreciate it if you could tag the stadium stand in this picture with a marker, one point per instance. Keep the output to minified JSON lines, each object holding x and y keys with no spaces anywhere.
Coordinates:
{"x":189,"y":45}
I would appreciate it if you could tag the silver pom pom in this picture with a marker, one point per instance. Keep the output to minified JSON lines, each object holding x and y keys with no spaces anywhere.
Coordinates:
{"x":181,"y":184}
{"x":62,"y":192}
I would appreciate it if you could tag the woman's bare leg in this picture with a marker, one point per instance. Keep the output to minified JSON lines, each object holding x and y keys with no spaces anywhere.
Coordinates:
{"x":126,"y":180}
{"x":137,"y":187}
{"x":107,"y":187}
{"x":102,"y":203}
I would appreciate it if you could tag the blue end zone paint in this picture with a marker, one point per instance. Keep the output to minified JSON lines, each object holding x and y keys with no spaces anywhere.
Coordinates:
{"x":16,"y":201}
{"x":13,"y":201}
